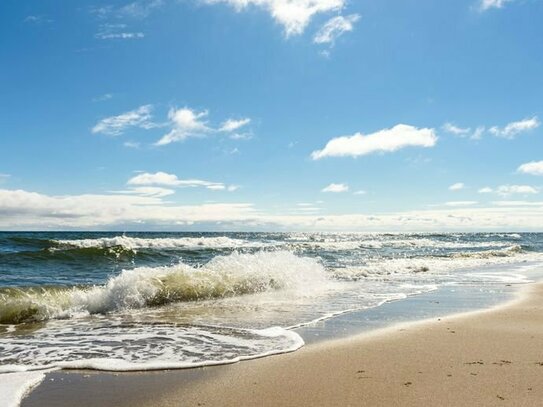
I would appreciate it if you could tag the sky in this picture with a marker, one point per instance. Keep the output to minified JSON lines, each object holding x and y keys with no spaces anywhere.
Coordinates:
{"x":272,"y":115}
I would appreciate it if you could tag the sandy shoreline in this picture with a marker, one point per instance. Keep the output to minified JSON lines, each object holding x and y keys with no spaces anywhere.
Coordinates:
{"x":491,"y":357}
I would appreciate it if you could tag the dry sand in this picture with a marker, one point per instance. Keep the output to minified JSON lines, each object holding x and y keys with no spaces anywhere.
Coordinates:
{"x":486,"y":358}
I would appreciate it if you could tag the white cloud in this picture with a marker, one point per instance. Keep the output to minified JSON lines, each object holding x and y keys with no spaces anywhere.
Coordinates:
{"x":163,"y":178}
{"x":505,"y":190}
{"x":532,"y":168}
{"x":465,"y":132}
{"x":185,"y":123}
{"x":232,"y":124}
{"x":387,"y":140}
{"x":4,"y":177}
{"x":24,"y":210}
{"x":103,"y":98}
{"x":171,"y":180}
{"x":116,"y":31}
{"x":30,"y":210}
{"x":489,"y":4}
{"x":457,"y":187}
{"x":116,"y":125}
{"x":156,"y":192}
{"x":293,"y":15}
{"x":334,"y":28}
{"x":461,"y":203}
{"x":336,"y":188}
{"x":139,"y":9}
{"x":517,"y":203}
{"x":132,"y":144}
{"x":360,"y":192}
{"x":513,"y":129}
{"x":119,"y":36}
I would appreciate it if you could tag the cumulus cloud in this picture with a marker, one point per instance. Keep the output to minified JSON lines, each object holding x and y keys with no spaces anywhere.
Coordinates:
{"x":485,"y":190}
{"x":387,"y":140}
{"x":532,"y":168}
{"x":293,"y":15}
{"x":490,"y":4}
{"x":513,"y":129}
{"x":334,"y":28}
{"x":185,"y":123}
{"x":457,"y":187}
{"x":336,"y":188}
{"x":116,"y":125}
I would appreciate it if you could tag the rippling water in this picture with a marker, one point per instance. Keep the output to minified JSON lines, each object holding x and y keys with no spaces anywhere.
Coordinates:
{"x":166,"y":300}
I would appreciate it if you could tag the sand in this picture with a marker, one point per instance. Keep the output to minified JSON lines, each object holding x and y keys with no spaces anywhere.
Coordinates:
{"x":485,"y":358}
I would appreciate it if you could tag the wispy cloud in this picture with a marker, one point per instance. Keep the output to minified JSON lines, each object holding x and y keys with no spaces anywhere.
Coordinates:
{"x":490,"y":4}
{"x":293,"y":15}
{"x":532,"y":168}
{"x":156,"y":192}
{"x":513,"y":129}
{"x":103,"y":98}
{"x":137,"y":10}
{"x":457,"y":187}
{"x":4,"y":177}
{"x":387,"y":140}
{"x":336,"y":188}
{"x":461,"y":203}
{"x":132,"y":144}
{"x":465,"y":132}
{"x":37,"y":19}
{"x":116,"y":125}
{"x":186,"y":123}
{"x":506,"y":190}
{"x":171,"y":180}
{"x":334,"y":28}
{"x":231,"y":125}
{"x":117,"y":31}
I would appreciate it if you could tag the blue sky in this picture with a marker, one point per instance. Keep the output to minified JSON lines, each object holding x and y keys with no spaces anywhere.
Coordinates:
{"x":271,"y":115}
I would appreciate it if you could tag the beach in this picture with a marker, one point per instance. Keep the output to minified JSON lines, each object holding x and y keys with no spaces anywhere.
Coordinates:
{"x":482,"y":358}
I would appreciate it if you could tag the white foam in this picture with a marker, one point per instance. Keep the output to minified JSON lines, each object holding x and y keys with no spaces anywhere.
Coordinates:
{"x":134,"y":243}
{"x":121,"y":346}
{"x":15,"y":386}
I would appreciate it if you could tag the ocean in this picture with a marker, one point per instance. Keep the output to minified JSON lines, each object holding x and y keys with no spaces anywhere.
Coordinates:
{"x":142,"y":301}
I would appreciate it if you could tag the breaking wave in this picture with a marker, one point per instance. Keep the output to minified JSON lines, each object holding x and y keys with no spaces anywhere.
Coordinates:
{"x":224,"y":276}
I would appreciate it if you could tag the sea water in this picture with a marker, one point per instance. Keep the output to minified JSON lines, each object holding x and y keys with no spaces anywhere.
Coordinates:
{"x":142,"y":301}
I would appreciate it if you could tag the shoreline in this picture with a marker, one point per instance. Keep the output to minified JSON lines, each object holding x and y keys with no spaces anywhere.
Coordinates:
{"x":199,"y":385}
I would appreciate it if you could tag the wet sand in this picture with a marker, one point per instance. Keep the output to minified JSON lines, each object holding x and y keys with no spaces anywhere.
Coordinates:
{"x":484,"y":358}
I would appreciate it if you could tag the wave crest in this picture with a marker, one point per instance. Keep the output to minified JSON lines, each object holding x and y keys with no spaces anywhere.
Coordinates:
{"x":224,"y":276}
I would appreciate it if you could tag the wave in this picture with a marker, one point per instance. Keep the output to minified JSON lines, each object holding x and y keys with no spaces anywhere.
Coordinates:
{"x":135,"y":243}
{"x":384,"y":268}
{"x":224,"y":276}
